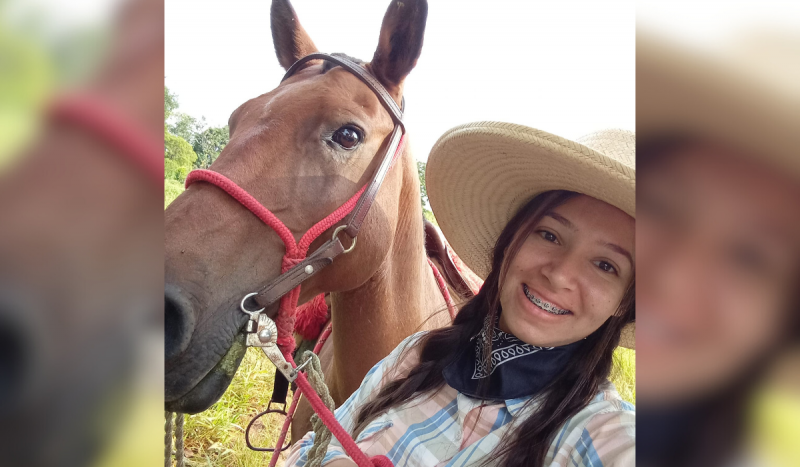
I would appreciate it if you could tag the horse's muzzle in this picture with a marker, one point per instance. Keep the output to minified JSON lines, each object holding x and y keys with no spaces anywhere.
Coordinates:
{"x":179,"y":321}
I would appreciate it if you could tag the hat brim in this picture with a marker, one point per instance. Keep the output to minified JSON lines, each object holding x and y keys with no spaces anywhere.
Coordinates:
{"x":681,"y":92}
{"x":480,"y":174}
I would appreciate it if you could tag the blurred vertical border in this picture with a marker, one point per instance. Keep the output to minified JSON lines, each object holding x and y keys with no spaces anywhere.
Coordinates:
{"x":81,"y":232}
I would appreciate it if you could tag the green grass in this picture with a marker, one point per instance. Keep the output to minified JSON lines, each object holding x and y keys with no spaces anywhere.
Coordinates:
{"x":623,"y":375}
{"x":216,"y":437}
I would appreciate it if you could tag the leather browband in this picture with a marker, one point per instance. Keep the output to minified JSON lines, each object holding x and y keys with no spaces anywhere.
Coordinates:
{"x":325,"y":254}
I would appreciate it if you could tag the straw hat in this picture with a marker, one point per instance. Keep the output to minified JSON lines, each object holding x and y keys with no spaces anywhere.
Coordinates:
{"x":745,"y":93}
{"x":480,"y":174}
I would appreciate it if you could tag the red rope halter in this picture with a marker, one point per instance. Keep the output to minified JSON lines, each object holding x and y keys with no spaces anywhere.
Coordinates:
{"x":295,"y":251}
{"x":94,"y":114}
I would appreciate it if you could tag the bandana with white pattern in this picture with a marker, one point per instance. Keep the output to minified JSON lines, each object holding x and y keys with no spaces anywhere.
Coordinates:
{"x":517,"y":369}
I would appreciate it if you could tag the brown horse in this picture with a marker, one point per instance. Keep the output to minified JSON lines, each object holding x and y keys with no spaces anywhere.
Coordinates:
{"x":302,"y":149}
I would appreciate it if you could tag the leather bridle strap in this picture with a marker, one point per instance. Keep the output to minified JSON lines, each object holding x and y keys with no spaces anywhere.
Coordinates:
{"x":361,"y":73}
{"x":388,"y":102}
{"x":297,"y":267}
{"x":326,"y":253}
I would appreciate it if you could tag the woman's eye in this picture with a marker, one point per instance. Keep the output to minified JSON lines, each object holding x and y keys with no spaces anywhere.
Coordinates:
{"x":605,"y":266}
{"x":347,"y":137}
{"x":549,"y":236}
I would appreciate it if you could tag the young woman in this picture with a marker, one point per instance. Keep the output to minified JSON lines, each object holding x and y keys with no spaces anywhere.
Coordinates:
{"x":520,"y":378}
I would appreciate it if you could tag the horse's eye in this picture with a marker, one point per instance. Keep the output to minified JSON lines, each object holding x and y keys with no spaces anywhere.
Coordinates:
{"x":347,"y":137}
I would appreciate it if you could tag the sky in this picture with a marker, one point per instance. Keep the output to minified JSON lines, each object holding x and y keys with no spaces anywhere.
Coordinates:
{"x":563,"y":66}
{"x":713,"y":24}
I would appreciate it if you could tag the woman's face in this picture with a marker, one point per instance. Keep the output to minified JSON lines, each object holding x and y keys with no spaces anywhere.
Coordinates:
{"x":718,"y":247}
{"x":570,"y":274}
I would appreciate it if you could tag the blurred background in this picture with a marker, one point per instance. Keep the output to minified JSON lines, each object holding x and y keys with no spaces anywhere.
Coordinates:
{"x":718,"y":233}
{"x":81,"y":268}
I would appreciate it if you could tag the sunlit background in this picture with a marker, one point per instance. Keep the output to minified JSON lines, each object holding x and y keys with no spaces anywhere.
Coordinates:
{"x":565,"y":67}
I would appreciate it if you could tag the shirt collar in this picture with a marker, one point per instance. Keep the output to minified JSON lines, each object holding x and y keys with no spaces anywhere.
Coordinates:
{"x":515,"y":406}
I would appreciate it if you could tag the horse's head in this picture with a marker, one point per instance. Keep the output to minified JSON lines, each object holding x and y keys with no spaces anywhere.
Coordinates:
{"x":301,"y":150}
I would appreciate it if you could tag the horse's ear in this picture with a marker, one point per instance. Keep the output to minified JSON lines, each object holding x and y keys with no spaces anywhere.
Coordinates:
{"x":400,"y":42}
{"x":291,"y":40}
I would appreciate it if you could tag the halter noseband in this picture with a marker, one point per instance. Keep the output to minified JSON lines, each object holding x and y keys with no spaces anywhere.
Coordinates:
{"x":297,"y":265}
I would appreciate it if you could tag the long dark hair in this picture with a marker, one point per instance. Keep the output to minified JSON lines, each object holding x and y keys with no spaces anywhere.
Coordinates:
{"x":566,"y":395}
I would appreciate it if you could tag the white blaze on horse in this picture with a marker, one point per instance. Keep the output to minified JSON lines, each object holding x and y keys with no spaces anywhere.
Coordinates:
{"x":301,"y":151}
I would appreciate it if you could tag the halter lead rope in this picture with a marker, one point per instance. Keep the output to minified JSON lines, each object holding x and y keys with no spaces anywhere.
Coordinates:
{"x":177,"y":431}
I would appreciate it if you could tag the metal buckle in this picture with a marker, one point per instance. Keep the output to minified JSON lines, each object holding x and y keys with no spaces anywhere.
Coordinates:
{"x":352,"y":245}
{"x":263,"y":332}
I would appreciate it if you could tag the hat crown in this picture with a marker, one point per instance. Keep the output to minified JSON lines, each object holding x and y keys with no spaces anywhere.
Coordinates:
{"x":616,"y":144}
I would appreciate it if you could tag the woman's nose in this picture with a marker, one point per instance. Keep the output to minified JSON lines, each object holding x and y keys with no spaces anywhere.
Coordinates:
{"x":561,"y":271}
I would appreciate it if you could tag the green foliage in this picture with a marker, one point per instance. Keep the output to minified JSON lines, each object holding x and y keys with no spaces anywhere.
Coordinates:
{"x":185,"y":126}
{"x":172,"y":188}
{"x":428,"y":215}
{"x":623,"y":374}
{"x":423,"y":193}
{"x":170,"y":103}
{"x":187,"y":145}
{"x":26,"y":78}
{"x":178,"y":157}
{"x":423,"y":190}
{"x":208,"y":144}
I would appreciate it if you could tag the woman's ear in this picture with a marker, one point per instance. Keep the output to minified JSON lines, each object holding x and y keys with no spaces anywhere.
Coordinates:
{"x":400,"y":43}
{"x":291,"y":41}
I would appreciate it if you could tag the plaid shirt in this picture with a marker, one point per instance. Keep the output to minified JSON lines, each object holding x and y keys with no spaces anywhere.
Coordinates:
{"x":454,"y":430}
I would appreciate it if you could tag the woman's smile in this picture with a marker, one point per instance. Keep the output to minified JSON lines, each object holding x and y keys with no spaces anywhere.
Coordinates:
{"x":544,"y":305}
{"x":569,"y":274}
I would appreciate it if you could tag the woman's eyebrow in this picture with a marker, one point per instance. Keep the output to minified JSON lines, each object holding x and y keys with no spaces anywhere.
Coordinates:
{"x":619,"y":250}
{"x":563,"y":220}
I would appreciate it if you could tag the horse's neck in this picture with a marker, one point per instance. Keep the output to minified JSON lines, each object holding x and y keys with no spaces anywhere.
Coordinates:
{"x":397,"y":301}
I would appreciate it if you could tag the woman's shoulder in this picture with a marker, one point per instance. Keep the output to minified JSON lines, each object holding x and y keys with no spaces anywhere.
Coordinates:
{"x":404,"y":357}
{"x":607,"y":410}
{"x":603,"y":433}
{"x":608,"y":399}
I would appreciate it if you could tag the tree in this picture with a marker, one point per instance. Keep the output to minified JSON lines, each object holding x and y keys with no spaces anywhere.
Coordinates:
{"x":170,"y":103}
{"x":208,"y":144}
{"x":186,"y":126}
{"x":178,"y":157}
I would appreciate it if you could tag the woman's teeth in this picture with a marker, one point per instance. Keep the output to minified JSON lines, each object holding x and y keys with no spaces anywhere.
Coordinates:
{"x":546,"y":306}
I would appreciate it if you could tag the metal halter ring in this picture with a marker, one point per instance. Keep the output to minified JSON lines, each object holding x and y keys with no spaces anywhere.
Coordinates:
{"x":241,"y":305}
{"x":352,"y":245}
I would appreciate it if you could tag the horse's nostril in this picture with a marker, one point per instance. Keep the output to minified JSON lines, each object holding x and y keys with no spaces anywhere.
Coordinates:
{"x":20,"y":338}
{"x":14,"y":363}
{"x":178,"y":323}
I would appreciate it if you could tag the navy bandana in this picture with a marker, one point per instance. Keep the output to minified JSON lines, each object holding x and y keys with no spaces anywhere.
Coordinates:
{"x":517,"y":369}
